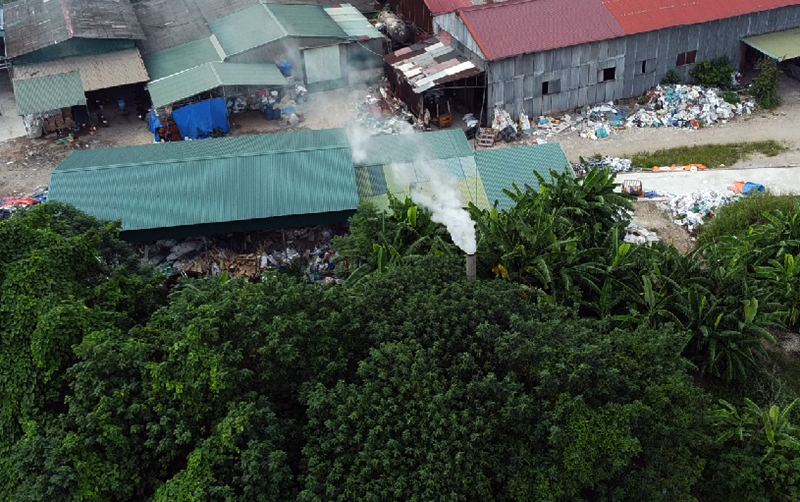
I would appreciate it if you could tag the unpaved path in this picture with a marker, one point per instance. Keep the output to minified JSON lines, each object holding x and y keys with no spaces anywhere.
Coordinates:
{"x":648,"y":215}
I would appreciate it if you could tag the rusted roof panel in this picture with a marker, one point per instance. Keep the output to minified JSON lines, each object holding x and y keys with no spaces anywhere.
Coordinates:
{"x":638,"y":16}
{"x":550,"y":24}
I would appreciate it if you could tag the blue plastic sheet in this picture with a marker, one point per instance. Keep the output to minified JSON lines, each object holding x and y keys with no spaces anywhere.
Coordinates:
{"x":751,"y":187}
{"x":198,"y":120}
{"x":155,"y":124}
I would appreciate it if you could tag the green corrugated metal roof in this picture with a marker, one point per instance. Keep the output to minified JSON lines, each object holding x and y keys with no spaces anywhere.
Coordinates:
{"x":352,"y":21}
{"x":309,"y":21}
{"x":177,"y":59}
{"x":249,"y":74}
{"x":36,"y":95}
{"x":781,"y":45}
{"x":502,"y":167}
{"x":209,"y":76}
{"x":212,"y":190}
{"x":183,"y":85}
{"x":246,"y":29}
{"x":219,"y":147}
{"x":399,"y":148}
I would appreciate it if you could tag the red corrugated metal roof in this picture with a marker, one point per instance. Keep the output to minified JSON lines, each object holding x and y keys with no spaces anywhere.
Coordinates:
{"x":439,"y":7}
{"x":638,"y":16}
{"x":520,"y":27}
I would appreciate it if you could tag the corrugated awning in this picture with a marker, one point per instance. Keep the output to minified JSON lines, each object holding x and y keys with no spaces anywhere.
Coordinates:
{"x":430,"y":63}
{"x":209,"y":76}
{"x":97,"y":71}
{"x":42,"y":94}
{"x":780,"y":45}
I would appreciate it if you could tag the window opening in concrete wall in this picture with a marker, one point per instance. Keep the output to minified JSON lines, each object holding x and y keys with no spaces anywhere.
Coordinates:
{"x":609,"y":74}
{"x":687,"y":58}
{"x":551,"y":86}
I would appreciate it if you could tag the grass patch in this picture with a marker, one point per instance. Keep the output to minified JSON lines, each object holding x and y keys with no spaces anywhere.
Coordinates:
{"x":709,"y":155}
{"x":737,"y":218}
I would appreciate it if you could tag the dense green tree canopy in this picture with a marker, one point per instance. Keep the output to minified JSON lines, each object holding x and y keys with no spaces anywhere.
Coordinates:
{"x":569,"y":371}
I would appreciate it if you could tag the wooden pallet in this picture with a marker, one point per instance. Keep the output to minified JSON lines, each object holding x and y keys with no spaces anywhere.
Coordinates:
{"x":486,"y":140}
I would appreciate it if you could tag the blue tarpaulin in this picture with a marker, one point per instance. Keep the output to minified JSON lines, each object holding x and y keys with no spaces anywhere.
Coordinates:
{"x":198,"y":120}
{"x":155,"y":125}
{"x":751,"y":187}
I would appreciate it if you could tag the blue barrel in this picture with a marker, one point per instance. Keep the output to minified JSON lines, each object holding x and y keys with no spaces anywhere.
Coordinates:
{"x":286,"y":69}
{"x":121,"y":104}
{"x":268,"y":112}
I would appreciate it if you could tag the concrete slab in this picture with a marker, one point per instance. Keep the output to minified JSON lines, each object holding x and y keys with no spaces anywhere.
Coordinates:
{"x":11,"y":125}
{"x":780,"y":180}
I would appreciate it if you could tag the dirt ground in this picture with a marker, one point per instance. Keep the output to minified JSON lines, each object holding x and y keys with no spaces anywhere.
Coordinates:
{"x":648,"y":215}
{"x":25,"y":165}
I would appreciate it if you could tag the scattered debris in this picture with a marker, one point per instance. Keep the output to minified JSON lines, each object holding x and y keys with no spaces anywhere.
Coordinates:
{"x":679,"y":106}
{"x":307,"y":251}
{"x":9,"y":205}
{"x":382,"y":113}
{"x":616,"y":164}
{"x":692,"y":209}
{"x":638,"y":235}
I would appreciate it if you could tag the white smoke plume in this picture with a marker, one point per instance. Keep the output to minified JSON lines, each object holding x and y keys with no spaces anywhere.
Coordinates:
{"x":442,"y":199}
{"x":444,"y":202}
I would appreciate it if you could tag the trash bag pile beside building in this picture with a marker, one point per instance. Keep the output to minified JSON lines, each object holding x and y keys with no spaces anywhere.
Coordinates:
{"x":678,"y":106}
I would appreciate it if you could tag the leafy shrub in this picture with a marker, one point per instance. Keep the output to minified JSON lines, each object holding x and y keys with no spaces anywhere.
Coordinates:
{"x":736,"y":219}
{"x":761,"y":456}
{"x":731,"y":97}
{"x":713,"y":155}
{"x":671,"y":78}
{"x":765,"y":86}
{"x":471,"y":392}
{"x":716,"y":73}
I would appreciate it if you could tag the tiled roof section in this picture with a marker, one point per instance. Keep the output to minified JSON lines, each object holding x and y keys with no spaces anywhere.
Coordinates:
{"x":206,"y":190}
{"x":309,"y":21}
{"x":247,"y":29}
{"x":176,"y":59}
{"x":432,"y":64}
{"x":218,"y":147}
{"x":525,"y":26}
{"x":439,"y":7}
{"x":405,"y":148}
{"x":99,"y":71}
{"x":501,"y":168}
{"x":37,"y":95}
{"x":34,"y":24}
{"x":352,"y":22}
{"x":638,"y":16}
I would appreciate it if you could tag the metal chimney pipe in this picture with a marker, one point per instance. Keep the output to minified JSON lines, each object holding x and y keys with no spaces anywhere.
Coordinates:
{"x":472,"y":267}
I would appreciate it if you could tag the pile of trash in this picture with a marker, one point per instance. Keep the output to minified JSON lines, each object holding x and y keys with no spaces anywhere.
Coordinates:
{"x":639,"y":235}
{"x":307,"y":250}
{"x":691,"y":209}
{"x":382,"y":113}
{"x":687,"y":107}
{"x":616,"y":164}
{"x":9,"y":205}
{"x":680,"y":106}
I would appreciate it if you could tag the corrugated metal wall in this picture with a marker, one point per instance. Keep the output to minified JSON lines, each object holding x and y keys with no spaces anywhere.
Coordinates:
{"x":458,"y":30}
{"x":516,"y":83}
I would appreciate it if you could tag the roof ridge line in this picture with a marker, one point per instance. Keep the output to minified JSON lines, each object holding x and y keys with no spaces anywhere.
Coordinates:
{"x":214,"y":71}
{"x":184,"y":160}
{"x":274,"y":17}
